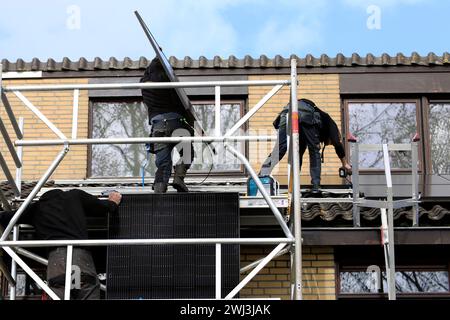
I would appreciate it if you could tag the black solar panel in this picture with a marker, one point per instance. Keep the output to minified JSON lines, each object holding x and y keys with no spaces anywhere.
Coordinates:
{"x":172,"y":271}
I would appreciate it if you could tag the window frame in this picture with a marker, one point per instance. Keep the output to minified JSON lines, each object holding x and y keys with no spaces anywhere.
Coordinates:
{"x":358,"y":258}
{"x":243,"y":109}
{"x":374,"y":295}
{"x":427,"y":102}
{"x":419,"y":127}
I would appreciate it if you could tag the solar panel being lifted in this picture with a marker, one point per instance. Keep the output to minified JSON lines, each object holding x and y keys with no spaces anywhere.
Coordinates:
{"x":172,"y":271}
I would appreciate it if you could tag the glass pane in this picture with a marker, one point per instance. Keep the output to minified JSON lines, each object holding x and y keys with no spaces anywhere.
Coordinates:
{"x":376,"y":123}
{"x":119,"y":120}
{"x":420,"y":281}
{"x":223,"y":161}
{"x":124,"y":119}
{"x":359,"y":282}
{"x":440,"y":137}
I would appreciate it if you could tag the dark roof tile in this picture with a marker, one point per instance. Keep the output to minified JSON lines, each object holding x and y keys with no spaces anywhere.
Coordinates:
{"x":143,"y":63}
{"x":127,"y":63}
{"x":66,"y":64}
{"x":202,"y":62}
{"x":340,"y":60}
{"x":263,"y":61}
{"x":35,"y":64}
{"x":98,"y":63}
{"x":51,"y":65}
{"x":356,"y":60}
{"x":309,"y":61}
{"x":217,"y":62}
{"x":277,"y":61}
{"x":233,"y":62}
{"x":324,"y":60}
{"x":248,"y":61}
{"x":370,"y":60}
{"x":83,"y":64}
{"x":416,"y":58}
{"x":446,"y":58}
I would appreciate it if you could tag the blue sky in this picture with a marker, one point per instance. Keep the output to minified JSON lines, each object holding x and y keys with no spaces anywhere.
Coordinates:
{"x":77,"y":28}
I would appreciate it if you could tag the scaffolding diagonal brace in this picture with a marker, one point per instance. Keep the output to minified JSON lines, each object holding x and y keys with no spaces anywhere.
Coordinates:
{"x":11,"y":116}
{"x":9,"y":144}
{"x":263,"y":191}
{"x":8,"y":175}
{"x":31,"y":273}
{"x":35,"y":190}
{"x":40,"y":115}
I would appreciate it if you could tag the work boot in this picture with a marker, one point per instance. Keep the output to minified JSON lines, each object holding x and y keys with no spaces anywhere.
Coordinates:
{"x":315,"y":191}
{"x":178,"y":178}
{"x":160,"y":187}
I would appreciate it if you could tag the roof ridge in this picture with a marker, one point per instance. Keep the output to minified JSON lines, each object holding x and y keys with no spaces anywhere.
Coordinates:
{"x":218,"y":62}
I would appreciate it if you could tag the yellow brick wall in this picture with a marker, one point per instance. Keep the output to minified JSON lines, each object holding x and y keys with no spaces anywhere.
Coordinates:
{"x":274,"y":280}
{"x":323,"y":89}
{"x":57,"y":106}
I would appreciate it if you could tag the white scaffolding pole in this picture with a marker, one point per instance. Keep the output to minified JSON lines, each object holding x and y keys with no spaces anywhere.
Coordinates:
{"x":296,"y":180}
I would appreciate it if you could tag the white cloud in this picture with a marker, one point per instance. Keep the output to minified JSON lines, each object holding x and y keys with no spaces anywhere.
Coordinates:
{"x":109,"y":28}
{"x":301,"y":30}
{"x":382,"y":3}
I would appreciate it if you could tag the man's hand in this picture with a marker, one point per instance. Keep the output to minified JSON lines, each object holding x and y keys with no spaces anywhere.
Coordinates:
{"x":348,"y":168}
{"x":115,"y":197}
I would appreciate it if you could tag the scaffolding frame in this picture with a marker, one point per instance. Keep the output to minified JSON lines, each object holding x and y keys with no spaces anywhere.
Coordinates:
{"x":291,"y":243}
{"x":15,"y":246}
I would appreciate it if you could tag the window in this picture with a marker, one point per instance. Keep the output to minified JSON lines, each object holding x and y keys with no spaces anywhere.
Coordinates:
{"x":130,"y":119}
{"x":439,"y":124}
{"x":407,"y":281}
{"x":420,"y":272}
{"x":383,"y":122}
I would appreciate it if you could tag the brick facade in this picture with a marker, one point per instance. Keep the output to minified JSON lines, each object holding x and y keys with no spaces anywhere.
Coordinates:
{"x":57,"y":106}
{"x":323,"y":89}
{"x":273,"y":281}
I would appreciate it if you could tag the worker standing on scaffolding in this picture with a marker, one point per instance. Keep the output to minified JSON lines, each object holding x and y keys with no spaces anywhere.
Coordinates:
{"x":167,"y":117}
{"x":316,"y":126}
{"x":60,"y":215}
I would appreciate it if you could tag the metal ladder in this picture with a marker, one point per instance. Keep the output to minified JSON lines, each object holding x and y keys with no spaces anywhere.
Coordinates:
{"x":386,"y":206}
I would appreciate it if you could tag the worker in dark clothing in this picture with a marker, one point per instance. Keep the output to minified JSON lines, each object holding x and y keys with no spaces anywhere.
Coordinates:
{"x":316,"y":126}
{"x":60,"y":215}
{"x":168,"y":118}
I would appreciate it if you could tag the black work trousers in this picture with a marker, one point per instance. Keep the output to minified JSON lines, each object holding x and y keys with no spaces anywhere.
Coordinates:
{"x":309,"y":138}
{"x":89,"y":285}
{"x":170,"y":125}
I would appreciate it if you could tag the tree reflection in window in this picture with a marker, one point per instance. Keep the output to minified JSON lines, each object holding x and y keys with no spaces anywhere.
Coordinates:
{"x":119,"y":120}
{"x":229,"y":116}
{"x":130,"y":119}
{"x":376,"y":123}
{"x":359,"y":282}
{"x":440,"y":137}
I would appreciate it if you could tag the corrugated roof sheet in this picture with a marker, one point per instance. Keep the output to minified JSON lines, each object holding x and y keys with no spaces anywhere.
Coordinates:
{"x":232,"y":62}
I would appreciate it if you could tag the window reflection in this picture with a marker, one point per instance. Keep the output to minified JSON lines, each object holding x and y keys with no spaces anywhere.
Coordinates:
{"x":439,"y":120}
{"x":360,"y":282}
{"x":130,"y":119}
{"x":376,"y":123}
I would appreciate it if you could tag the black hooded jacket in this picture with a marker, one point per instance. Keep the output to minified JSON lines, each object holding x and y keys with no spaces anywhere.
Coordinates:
{"x":160,"y":100}
{"x":329,"y":132}
{"x":60,"y":215}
